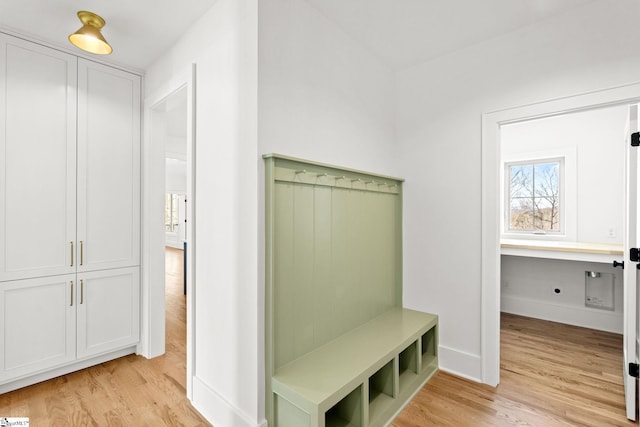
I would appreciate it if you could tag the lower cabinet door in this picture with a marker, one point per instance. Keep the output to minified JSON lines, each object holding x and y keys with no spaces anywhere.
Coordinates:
{"x":108,"y":310}
{"x":37,"y":325}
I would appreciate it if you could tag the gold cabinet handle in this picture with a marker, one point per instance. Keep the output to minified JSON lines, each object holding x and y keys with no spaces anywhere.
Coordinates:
{"x":81,"y":291}
{"x":71,"y":243}
{"x":81,"y":252}
{"x":71,"y":294}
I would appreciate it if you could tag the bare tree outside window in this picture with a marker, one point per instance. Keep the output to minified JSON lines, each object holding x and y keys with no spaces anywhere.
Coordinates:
{"x":534,"y":196}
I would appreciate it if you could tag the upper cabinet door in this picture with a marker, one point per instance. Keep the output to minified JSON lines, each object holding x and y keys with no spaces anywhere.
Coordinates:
{"x":108,"y":167}
{"x":37,"y":160}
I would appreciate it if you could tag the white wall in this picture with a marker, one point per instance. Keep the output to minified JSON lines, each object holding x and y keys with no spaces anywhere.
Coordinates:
{"x":594,"y":141}
{"x":176,"y":176}
{"x":322,"y":96}
{"x":529,"y":284}
{"x":439,"y":132}
{"x":227,"y":384}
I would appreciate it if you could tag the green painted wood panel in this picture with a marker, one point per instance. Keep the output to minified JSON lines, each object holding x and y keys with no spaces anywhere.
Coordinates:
{"x":289,"y":415}
{"x":335,"y":264}
{"x":324,"y":313}
{"x":347,"y":412}
{"x":333,"y":255}
{"x":283,"y":265}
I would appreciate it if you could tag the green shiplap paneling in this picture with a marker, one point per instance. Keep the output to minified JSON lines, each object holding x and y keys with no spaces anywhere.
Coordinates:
{"x":303,"y":260}
{"x":342,"y":272}
{"x":335,"y":263}
{"x":323,"y":295}
{"x":283,"y":265}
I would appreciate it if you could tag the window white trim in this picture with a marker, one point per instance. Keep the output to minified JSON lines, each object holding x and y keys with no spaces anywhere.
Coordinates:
{"x":568,"y":192}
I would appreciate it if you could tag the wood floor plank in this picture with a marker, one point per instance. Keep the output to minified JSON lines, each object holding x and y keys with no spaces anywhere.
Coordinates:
{"x":551,"y":375}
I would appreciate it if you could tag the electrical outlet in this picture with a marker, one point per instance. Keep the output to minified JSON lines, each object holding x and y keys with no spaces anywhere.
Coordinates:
{"x":595,"y":301}
{"x":611,"y":233}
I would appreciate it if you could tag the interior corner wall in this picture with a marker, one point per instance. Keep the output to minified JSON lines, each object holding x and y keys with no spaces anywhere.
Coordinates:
{"x":440,"y":104}
{"x":228,"y":362}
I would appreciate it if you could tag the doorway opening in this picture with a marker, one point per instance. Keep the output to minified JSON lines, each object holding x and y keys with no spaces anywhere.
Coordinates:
{"x":562,"y":217}
{"x":562,"y":202}
{"x":169,"y":224}
{"x":171,"y":131}
{"x":492,"y":184}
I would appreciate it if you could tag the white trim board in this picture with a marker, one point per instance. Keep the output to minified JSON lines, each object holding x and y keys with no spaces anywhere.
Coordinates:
{"x":491,"y":200}
{"x":215,"y":408}
{"x":467,"y":365}
{"x":153,"y":234}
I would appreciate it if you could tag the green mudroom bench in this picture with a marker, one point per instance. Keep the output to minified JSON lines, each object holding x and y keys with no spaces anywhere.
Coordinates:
{"x":362,"y":378}
{"x":340,"y":350}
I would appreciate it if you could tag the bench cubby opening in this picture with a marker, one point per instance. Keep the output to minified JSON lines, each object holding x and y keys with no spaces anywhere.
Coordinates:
{"x":381,"y":393}
{"x":408,"y":365}
{"x":429,"y":350}
{"x":347,"y":412}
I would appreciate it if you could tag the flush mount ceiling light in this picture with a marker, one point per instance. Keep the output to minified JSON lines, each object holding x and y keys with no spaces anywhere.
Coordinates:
{"x":89,"y":37}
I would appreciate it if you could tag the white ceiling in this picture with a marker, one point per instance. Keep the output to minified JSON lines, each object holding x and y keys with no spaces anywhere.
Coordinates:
{"x":403,"y":33}
{"x":400,"y":32}
{"x":138,"y":30}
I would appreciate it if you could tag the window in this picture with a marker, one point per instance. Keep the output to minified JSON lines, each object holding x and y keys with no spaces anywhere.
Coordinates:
{"x":171,"y":212}
{"x":534,"y":193}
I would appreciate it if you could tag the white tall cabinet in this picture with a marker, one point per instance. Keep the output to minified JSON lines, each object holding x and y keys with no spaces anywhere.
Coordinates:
{"x":69,"y":213}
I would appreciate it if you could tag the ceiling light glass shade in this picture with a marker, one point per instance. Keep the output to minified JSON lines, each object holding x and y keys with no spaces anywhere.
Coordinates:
{"x":89,"y":37}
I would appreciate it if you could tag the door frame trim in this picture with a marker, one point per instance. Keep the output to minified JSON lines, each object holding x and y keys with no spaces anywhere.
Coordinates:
{"x":152,"y":331}
{"x":490,"y":220}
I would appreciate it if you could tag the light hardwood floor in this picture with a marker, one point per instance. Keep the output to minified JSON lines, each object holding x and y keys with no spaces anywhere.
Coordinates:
{"x":130,"y":391}
{"x":552,"y":375}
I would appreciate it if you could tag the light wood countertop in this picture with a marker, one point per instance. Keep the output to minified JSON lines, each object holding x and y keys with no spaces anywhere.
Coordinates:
{"x":570,"y":251}
{"x":580,"y":247}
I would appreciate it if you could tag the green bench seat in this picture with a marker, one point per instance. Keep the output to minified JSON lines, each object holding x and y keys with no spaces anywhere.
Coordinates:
{"x":362,"y":378}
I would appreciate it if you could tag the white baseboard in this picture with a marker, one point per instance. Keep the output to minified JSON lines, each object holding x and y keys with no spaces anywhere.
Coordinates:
{"x":459,"y":363}
{"x":217,"y":410}
{"x":586,"y":317}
